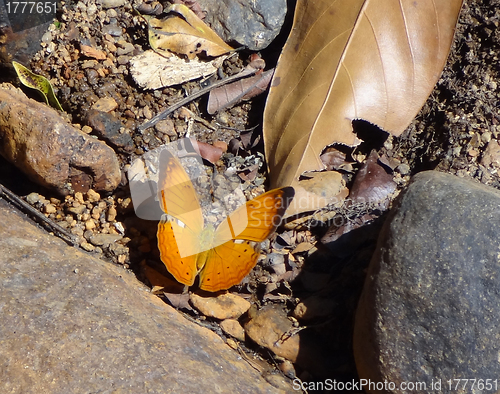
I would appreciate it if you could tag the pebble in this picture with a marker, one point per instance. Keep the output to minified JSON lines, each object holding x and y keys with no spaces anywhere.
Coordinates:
{"x":104,"y":239}
{"x":112,"y":29}
{"x":49,"y":208}
{"x":271,"y":328}
{"x":79,"y":198}
{"x":106,"y":126}
{"x":33,"y":198}
{"x":87,"y":246}
{"x":125,"y":48}
{"x":105,"y":104}
{"x":90,"y":224}
{"x":93,"y":196}
{"x":491,"y":155}
{"x":233,"y":327}
{"x":223,"y":306}
{"x":77,"y":210}
{"x":112,"y":3}
{"x":111,"y":214}
{"x":118,"y":249}
{"x":403,"y":169}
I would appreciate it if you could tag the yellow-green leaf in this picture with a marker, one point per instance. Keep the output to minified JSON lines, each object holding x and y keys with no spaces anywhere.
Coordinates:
{"x":184,"y":34}
{"x":37,"y":82}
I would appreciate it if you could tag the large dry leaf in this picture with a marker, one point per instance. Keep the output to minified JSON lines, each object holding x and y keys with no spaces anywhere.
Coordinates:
{"x":376,"y":60}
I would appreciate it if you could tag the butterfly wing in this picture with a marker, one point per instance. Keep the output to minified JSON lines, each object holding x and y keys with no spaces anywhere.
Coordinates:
{"x":178,"y":232}
{"x":236,"y":251}
{"x":258,"y":218}
{"x":228,"y":264}
{"x":176,"y":192}
{"x":183,"y":269}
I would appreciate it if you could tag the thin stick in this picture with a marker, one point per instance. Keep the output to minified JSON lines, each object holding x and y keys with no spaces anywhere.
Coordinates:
{"x":37,"y":216}
{"x":162,"y":115}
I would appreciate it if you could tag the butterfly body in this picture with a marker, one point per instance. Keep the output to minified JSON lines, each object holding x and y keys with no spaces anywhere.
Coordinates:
{"x":222,"y":256}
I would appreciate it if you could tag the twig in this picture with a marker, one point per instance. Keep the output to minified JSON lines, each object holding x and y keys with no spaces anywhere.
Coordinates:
{"x":37,"y":216}
{"x":162,"y":115}
{"x":236,"y":129}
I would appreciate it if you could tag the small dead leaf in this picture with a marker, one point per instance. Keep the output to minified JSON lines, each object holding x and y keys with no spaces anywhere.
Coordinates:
{"x":184,"y":33}
{"x":221,"y":144}
{"x":322,"y":189}
{"x":373,"y":183}
{"x":249,"y":173}
{"x":154,"y":8}
{"x":241,"y":90}
{"x":370,"y":193}
{"x":209,"y":152}
{"x":234,"y":146}
{"x":333,"y":159}
{"x":303,"y":247}
{"x":249,"y":139}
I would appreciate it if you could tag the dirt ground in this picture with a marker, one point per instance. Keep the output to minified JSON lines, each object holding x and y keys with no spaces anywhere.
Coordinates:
{"x":451,"y":134}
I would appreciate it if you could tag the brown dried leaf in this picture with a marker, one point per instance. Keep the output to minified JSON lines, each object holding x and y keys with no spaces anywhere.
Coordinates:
{"x":209,"y":152}
{"x":333,"y":159}
{"x":249,"y":173}
{"x":321,"y":189}
{"x":373,"y":183}
{"x":372,"y":188}
{"x":345,"y":60}
{"x":184,"y":34}
{"x":241,"y":90}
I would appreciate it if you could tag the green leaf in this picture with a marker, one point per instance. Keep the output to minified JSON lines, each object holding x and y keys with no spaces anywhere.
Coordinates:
{"x":37,"y":82}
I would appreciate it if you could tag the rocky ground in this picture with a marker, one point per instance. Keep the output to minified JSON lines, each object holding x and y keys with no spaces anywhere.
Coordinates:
{"x":455,"y":132}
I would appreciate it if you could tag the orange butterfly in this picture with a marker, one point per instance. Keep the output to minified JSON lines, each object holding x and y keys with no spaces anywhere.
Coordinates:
{"x":221,"y":256}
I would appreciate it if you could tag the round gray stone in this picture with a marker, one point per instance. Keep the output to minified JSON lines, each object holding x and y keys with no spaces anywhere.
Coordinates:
{"x":430,"y":307}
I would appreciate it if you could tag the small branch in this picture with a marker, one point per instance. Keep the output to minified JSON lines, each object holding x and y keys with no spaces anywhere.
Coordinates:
{"x":162,"y":115}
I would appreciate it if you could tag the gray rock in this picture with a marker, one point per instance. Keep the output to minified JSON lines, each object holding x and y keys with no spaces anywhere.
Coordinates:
{"x":252,"y":23}
{"x":75,"y":324}
{"x":107,"y":127}
{"x":430,"y":307}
